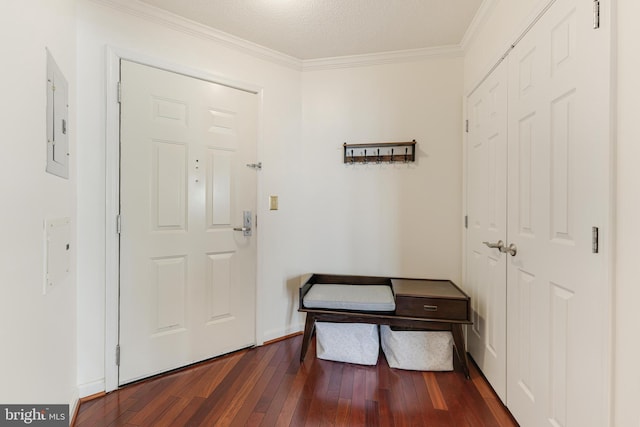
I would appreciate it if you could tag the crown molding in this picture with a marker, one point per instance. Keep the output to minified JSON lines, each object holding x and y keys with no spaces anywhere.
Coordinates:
{"x":192,"y":28}
{"x":393,"y":57}
{"x":476,"y":23}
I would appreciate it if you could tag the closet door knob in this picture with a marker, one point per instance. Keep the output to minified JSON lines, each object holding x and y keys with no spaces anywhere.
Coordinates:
{"x":512,"y":249}
{"x":499,"y":245}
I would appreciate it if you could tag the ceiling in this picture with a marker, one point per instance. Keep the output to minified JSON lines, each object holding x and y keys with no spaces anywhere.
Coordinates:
{"x":313,"y":29}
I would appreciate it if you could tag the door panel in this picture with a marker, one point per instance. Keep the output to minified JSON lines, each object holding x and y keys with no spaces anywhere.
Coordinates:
{"x":168,"y":185}
{"x":187,"y":279}
{"x":555,"y":197}
{"x":527,"y":307}
{"x":486,"y":208}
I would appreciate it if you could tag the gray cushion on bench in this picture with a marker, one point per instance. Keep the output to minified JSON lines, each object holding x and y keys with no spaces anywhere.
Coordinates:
{"x":350,"y":297}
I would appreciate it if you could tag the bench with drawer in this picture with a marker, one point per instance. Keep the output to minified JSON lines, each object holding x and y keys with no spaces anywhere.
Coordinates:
{"x":420,"y":304}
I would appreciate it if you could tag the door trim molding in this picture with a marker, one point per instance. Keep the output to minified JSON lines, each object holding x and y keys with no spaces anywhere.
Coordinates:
{"x":112,"y":188}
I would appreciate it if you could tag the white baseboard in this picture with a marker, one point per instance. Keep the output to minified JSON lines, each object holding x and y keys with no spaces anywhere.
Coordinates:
{"x":73,"y":404}
{"x":89,"y":389}
{"x":279,"y":333}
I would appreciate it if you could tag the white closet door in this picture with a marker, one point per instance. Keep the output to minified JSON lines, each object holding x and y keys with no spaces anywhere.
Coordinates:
{"x":486,"y":209}
{"x":557,"y":310}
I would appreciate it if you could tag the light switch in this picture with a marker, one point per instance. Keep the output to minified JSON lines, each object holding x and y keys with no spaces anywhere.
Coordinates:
{"x":273,"y":203}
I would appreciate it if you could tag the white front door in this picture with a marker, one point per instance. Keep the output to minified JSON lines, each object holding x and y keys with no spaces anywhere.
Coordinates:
{"x":487,"y":226}
{"x":187,"y":278}
{"x":557,"y":309}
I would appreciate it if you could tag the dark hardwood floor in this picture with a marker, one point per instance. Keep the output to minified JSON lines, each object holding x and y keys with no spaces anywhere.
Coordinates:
{"x":268,"y":386}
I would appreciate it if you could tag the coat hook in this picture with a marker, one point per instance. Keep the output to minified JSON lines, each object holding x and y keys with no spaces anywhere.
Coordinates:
{"x":386,"y":152}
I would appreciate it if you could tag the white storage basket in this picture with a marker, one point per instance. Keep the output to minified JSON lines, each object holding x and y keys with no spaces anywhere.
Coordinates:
{"x":348,"y":342}
{"x":417,"y":350}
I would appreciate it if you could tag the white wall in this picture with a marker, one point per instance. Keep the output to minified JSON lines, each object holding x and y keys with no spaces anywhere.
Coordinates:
{"x":37,"y":332}
{"x":100,"y":26}
{"x":627,"y":290}
{"x":390,"y":220}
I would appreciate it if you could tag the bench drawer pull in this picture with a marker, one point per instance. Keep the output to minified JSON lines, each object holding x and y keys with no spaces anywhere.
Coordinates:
{"x":430,"y":307}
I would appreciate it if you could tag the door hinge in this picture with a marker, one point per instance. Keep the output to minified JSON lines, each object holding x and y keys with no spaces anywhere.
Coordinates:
{"x":466,"y":126}
{"x":595,"y":240}
{"x":118,"y":355}
{"x":466,"y":221}
{"x":119,"y":92}
{"x":596,"y":14}
{"x":118,"y":224}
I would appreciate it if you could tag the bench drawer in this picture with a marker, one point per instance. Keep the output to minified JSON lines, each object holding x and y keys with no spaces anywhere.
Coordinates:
{"x":432,"y":308}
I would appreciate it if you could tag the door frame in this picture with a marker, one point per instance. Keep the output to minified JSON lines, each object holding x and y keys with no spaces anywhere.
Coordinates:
{"x":112,"y":191}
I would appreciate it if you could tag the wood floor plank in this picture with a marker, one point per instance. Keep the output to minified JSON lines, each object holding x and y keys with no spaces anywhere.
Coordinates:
{"x":383,"y":371}
{"x":154,"y":410}
{"x":411,"y":404}
{"x":169,"y":417}
{"x":299,"y":416}
{"x":437,"y":400}
{"x":502,"y":416}
{"x":250,"y":403}
{"x":309,"y":406}
{"x":111,"y":409}
{"x":336,"y":377}
{"x":211,"y":379}
{"x":249,"y":379}
{"x":294,"y":394}
{"x":266,"y":399}
{"x":397,"y":400}
{"x":371,"y":413}
{"x":318,"y":395}
{"x":342,"y":413}
{"x":187,"y":413}
{"x":255,"y":419}
{"x":357,"y":413}
{"x":346,"y":385}
{"x":225,"y":394}
{"x":422,"y":392}
{"x":386,"y":416}
{"x":268,"y":386}
{"x":332,"y":395}
{"x":122,"y":420}
{"x":371,"y":382}
{"x":274,"y":411}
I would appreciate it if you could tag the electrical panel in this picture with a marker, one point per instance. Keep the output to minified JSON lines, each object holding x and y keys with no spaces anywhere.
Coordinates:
{"x":57,"y":120}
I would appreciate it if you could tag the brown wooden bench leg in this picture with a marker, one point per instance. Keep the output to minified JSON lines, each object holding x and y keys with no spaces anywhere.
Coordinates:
{"x":309,"y":327}
{"x":461,"y":351}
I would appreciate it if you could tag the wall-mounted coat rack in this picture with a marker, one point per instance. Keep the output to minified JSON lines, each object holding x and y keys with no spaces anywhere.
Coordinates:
{"x":380,"y":152}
